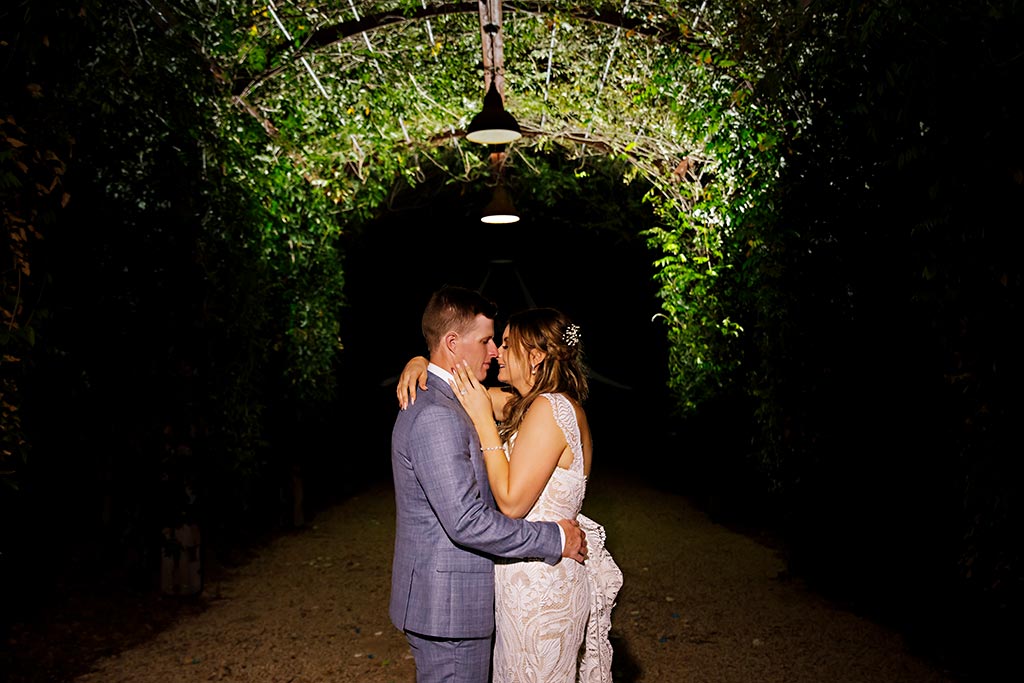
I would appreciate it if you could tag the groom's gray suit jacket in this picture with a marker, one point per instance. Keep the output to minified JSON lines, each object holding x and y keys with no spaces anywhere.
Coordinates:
{"x":447,"y":528}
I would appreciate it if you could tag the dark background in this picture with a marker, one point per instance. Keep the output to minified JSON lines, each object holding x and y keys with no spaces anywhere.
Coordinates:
{"x":602,"y":279}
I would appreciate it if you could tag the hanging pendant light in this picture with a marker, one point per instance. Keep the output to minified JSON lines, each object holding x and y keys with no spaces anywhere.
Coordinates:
{"x":493,"y":125}
{"x":500,"y":209}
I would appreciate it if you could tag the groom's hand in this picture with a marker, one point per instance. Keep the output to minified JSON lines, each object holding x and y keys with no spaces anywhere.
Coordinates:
{"x":575,"y":540}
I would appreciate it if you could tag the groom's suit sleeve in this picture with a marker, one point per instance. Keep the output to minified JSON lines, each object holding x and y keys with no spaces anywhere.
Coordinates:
{"x":440,"y":454}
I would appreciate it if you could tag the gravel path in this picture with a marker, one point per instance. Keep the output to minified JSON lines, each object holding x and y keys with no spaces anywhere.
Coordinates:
{"x":699,"y":603}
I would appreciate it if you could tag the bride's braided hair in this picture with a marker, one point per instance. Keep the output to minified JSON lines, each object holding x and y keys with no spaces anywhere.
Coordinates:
{"x":562,"y":370}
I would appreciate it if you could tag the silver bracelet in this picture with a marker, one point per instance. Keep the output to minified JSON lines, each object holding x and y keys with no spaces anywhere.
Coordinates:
{"x":492,"y":448}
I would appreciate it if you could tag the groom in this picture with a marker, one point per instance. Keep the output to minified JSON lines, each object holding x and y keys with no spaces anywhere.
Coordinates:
{"x":448,"y":531}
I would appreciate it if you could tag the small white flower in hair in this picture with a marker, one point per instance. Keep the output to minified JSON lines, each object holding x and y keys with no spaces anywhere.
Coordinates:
{"x":571,"y":335}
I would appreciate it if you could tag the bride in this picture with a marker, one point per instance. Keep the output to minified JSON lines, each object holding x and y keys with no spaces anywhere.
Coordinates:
{"x":552,"y":621}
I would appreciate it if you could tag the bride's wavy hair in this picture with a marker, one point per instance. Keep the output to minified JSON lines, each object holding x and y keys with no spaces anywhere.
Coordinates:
{"x":562,"y":370}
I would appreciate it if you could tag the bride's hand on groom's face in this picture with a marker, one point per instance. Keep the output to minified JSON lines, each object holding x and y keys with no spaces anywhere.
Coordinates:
{"x":471,"y":393}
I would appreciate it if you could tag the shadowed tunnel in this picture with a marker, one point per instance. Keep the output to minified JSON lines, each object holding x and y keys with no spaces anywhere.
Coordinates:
{"x":601,"y":277}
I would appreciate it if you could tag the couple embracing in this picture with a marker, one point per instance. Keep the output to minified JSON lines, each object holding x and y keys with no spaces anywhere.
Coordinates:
{"x":496,"y":576}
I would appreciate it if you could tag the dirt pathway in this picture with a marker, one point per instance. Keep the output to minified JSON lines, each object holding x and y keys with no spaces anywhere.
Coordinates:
{"x":700,"y":603}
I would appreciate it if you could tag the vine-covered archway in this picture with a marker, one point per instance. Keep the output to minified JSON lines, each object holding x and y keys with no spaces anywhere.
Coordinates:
{"x":275,"y":129}
{"x":348,"y":99}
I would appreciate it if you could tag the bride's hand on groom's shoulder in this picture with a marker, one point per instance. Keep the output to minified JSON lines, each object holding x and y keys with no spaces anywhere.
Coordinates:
{"x":414,"y":375}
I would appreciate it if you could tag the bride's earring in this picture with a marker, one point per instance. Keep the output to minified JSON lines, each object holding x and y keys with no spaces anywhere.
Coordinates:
{"x":533,"y":370}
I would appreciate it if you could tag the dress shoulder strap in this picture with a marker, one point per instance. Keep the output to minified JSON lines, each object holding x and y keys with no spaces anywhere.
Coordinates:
{"x":565,"y":418}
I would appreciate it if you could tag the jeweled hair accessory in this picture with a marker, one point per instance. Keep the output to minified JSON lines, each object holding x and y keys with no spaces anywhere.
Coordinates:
{"x":571,"y":334}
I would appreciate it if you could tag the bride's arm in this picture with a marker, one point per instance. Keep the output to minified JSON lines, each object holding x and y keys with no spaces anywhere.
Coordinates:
{"x":516,"y":482}
{"x":414,"y":374}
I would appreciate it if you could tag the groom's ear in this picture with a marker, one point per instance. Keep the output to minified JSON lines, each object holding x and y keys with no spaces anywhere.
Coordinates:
{"x":451,"y":340}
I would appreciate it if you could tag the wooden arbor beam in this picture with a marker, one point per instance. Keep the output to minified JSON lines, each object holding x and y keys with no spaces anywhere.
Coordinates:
{"x":243,"y":83}
{"x":492,"y":44}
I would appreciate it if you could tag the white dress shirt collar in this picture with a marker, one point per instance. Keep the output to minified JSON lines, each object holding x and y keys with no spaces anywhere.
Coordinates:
{"x":441,"y":372}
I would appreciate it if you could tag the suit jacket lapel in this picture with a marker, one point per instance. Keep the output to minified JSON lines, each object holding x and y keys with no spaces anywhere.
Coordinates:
{"x":436,"y":383}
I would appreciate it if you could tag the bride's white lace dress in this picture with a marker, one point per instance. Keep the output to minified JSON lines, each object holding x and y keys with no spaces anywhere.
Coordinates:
{"x":544,"y":613}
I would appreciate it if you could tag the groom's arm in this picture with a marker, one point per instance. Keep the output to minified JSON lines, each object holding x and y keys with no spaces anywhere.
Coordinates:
{"x":439,"y":451}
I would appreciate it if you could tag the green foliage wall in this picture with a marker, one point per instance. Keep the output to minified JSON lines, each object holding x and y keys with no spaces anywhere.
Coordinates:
{"x":177,"y":303}
{"x":876,"y":297}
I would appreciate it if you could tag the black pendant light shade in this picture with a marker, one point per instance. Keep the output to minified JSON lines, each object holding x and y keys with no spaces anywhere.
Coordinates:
{"x":493,"y":125}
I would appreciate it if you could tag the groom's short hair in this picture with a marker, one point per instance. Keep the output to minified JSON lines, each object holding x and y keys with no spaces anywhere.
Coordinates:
{"x":453,"y":308}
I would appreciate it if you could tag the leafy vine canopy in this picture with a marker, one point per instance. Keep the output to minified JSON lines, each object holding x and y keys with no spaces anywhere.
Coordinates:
{"x":332,"y":106}
{"x":362,"y":89}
